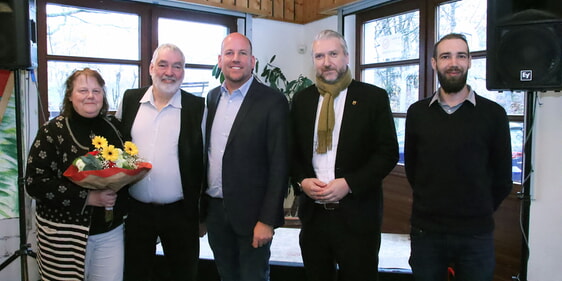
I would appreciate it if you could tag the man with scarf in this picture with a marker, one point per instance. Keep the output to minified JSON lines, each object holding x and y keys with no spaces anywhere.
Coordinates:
{"x":344,"y":144}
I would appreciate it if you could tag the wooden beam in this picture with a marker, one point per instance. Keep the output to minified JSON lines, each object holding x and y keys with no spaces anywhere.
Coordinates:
{"x":330,"y":7}
{"x":231,"y":5}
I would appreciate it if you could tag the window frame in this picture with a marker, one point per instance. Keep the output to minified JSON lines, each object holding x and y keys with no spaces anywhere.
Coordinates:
{"x":148,"y":36}
{"x":427,"y":38}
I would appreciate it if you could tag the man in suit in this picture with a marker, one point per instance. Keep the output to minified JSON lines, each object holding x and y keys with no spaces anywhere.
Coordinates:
{"x":165,"y":124}
{"x":344,"y":145}
{"x":247,"y":149}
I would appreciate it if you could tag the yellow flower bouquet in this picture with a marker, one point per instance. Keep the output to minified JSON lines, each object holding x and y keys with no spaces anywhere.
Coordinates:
{"x":108,"y":167}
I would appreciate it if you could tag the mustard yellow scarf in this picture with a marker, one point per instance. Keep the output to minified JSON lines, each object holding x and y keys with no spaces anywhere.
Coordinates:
{"x":327,"y":119}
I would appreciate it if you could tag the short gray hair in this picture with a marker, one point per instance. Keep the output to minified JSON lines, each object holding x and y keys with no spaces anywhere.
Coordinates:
{"x":168,"y":46}
{"x":328,"y":33}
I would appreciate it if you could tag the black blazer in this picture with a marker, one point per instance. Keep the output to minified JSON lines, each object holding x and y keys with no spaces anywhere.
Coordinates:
{"x":255,"y":160}
{"x":190,"y":144}
{"x":367,"y":151}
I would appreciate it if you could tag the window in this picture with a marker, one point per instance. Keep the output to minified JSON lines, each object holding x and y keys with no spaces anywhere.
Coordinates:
{"x":391,"y":57}
{"x":118,"y":41}
{"x":200,"y":43}
{"x":472,"y":23}
{"x":396,"y":45}
{"x":77,"y":37}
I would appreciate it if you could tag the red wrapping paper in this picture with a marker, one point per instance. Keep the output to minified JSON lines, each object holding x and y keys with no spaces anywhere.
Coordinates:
{"x":113,"y":178}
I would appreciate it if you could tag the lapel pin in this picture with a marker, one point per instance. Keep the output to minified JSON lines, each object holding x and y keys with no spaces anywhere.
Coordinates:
{"x":354,"y":102}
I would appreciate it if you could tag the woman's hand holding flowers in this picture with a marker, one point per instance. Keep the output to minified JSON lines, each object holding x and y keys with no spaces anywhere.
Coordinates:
{"x":102,"y":198}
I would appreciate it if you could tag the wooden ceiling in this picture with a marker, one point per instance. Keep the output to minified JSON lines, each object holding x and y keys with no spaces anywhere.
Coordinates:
{"x":294,"y":11}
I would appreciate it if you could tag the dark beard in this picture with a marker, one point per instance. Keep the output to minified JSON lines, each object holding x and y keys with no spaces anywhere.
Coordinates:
{"x":452,"y":85}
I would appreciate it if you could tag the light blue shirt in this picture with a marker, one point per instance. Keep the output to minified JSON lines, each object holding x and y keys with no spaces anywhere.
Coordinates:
{"x":156,"y":134}
{"x":227,"y":109}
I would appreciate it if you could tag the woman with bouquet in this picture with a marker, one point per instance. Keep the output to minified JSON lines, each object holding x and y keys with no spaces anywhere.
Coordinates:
{"x":75,"y":240}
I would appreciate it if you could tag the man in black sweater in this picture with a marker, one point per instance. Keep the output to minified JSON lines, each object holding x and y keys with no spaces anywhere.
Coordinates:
{"x":458,"y":162}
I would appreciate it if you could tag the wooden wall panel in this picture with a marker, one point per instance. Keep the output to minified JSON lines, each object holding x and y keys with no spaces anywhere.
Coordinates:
{"x":331,"y":6}
{"x":244,"y":6}
{"x":266,"y":6}
{"x":295,"y":11}
{"x":310,"y":11}
{"x":242,"y":3}
{"x":326,"y":4}
{"x":299,"y":11}
{"x":397,"y":205}
{"x":278,"y":9}
{"x":256,"y":4}
{"x":289,"y":10}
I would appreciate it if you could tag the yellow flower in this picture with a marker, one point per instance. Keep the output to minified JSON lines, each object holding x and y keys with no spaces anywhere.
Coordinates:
{"x":99,"y":142}
{"x":131,"y":148}
{"x":110,"y":153}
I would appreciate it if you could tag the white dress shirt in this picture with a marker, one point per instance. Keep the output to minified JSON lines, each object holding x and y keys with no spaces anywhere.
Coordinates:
{"x":156,"y":134}
{"x":324,"y":164}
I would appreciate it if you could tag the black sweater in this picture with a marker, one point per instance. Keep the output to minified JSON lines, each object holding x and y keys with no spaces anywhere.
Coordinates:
{"x":459,"y":165}
{"x":57,"y":144}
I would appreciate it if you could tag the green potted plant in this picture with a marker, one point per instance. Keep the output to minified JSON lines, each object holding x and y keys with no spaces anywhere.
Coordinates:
{"x":275,"y":78}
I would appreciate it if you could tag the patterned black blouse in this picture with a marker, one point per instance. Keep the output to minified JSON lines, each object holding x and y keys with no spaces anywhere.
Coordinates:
{"x":57,"y":144}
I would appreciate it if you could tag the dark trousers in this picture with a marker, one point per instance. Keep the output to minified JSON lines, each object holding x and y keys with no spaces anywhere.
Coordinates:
{"x":471,"y":256}
{"x":234,"y":255}
{"x":179,"y":237}
{"x":327,"y":243}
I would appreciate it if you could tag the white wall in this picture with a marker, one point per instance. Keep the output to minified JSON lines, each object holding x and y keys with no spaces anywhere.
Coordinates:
{"x":545,"y":223}
{"x":310,"y":31}
{"x":283,"y":40}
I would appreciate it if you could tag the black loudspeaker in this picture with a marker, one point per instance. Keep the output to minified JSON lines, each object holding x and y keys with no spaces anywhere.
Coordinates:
{"x":524,"y":45}
{"x":18,"y":37}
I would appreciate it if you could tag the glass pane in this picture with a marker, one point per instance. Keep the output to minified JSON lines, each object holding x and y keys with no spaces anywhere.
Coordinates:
{"x":400,"y":124}
{"x":199,"y":81}
{"x":200,"y":42}
{"x":401,"y":83}
{"x":513,"y":102}
{"x":393,"y":38}
{"x":467,"y":17}
{"x":118,"y":78}
{"x":517,"y":138}
{"x":73,"y":31}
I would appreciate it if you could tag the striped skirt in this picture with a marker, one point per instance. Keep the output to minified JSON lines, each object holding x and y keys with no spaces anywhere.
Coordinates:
{"x":61,"y":250}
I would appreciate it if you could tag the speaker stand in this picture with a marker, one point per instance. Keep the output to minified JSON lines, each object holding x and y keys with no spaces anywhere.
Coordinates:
{"x":25,"y":248}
